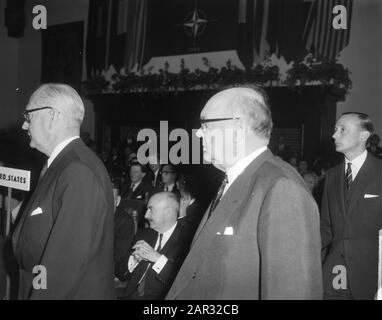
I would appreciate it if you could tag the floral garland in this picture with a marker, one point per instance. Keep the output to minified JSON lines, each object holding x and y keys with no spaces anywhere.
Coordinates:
{"x":310,"y":70}
{"x":327,"y":73}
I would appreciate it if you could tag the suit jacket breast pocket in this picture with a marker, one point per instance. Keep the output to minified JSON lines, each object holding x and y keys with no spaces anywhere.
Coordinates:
{"x":37,"y":228}
{"x":371,"y":210}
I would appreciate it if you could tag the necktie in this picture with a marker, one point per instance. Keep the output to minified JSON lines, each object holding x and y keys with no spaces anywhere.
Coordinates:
{"x":348,"y":176}
{"x":43,"y":171}
{"x":218,"y":196}
{"x":142,"y":281}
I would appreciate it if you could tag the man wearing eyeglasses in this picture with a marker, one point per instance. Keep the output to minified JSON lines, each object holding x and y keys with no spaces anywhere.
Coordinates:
{"x":259,"y":238}
{"x":64,"y":240}
{"x":169,"y":176}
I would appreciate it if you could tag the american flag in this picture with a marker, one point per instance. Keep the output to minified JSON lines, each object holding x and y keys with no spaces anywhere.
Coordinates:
{"x":320,"y":37}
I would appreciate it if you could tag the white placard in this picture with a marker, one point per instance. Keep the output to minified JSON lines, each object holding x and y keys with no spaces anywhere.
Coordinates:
{"x":15,"y":178}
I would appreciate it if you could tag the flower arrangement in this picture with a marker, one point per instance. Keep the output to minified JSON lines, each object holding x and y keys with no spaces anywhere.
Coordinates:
{"x":308,"y":71}
{"x":327,"y":73}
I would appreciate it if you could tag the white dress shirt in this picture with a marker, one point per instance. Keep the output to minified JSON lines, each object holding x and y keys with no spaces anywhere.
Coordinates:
{"x":59,"y":148}
{"x":170,"y":187}
{"x":356,"y":164}
{"x":161,"y":262}
{"x":240,"y":166}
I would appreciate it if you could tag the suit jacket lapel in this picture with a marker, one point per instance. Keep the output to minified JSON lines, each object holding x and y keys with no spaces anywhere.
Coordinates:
{"x":231,"y":198}
{"x":41,"y":186}
{"x":225,"y":210}
{"x":171,"y":242}
{"x":359,"y":184}
{"x":340,"y":177}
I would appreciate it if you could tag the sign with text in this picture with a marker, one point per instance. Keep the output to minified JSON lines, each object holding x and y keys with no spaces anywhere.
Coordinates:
{"x":15,"y":178}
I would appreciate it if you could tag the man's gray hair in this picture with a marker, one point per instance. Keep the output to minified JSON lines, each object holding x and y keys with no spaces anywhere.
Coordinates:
{"x":62,"y":98}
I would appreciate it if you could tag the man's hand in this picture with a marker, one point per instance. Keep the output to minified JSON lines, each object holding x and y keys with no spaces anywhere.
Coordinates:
{"x":145,"y":252}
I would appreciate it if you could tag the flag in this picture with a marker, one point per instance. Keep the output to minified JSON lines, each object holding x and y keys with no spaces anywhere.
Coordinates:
{"x":96,"y":36}
{"x":117,"y":35}
{"x":192,"y":26}
{"x":286,"y":22}
{"x":253,"y":25}
{"x":137,"y":50}
{"x":320,"y":37}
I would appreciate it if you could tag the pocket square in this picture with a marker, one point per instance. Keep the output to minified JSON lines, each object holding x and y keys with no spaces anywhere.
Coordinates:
{"x":36,"y":211}
{"x":367,"y":196}
{"x":139,"y":197}
{"x":228,"y":231}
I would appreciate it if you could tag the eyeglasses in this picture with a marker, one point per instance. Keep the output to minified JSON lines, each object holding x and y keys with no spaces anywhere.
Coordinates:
{"x":204,"y":121}
{"x":27,"y":113}
{"x":167,"y":172}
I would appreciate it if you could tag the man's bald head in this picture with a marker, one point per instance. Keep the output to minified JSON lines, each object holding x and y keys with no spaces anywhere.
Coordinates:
{"x":247,"y":103}
{"x":162,"y":211}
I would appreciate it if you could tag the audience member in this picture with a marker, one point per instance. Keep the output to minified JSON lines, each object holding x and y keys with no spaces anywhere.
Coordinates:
{"x":282,"y":149}
{"x":157,"y":252}
{"x":169,"y":176}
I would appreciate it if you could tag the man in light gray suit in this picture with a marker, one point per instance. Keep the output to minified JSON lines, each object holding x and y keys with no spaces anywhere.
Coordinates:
{"x":260,"y":238}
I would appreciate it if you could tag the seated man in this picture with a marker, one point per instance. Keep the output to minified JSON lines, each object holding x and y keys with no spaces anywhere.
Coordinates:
{"x":157,"y":253}
{"x":169,"y":176}
{"x":154,"y":172}
{"x":136,"y":188}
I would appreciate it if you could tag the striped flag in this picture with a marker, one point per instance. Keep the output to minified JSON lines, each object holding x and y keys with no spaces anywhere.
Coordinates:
{"x":286,"y":22}
{"x":137,"y":34}
{"x":117,"y":35}
{"x":320,"y":38}
{"x":253,"y":25}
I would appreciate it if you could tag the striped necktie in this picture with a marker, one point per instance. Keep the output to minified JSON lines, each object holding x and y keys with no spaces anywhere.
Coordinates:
{"x":348,"y":176}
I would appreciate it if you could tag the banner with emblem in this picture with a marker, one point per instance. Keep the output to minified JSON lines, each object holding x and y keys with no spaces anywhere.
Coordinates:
{"x":192,"y":26}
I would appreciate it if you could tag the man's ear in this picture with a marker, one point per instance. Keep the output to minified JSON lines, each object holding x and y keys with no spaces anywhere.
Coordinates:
{"x":365,"y":135}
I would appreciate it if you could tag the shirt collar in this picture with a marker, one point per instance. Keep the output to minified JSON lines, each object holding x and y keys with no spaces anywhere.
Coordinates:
{"x":170,"y":187}
{"x":240,"y":166}
{"x":168,"y":233}
{"x":59,"y":148}
{"x":358,"y":161}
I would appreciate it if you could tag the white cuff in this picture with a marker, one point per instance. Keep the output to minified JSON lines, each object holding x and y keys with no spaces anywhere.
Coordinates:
{"x":159,"y":265}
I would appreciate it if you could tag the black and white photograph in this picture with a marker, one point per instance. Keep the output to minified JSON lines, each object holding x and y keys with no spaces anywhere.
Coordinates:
{"x":167,"y":151}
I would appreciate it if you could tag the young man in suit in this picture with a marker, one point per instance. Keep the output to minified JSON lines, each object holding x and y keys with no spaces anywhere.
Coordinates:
{"x":261,"y":240}
{"x":157,"y":252}
{"x":64,"y":240}
{"x":351,"y":214}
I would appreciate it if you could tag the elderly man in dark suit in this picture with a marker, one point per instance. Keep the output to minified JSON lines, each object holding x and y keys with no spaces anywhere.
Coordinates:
{"x":351,"y":214}
{"x":64,"y":240}
{"x":157,"y":252}
{"x":261,"y":240}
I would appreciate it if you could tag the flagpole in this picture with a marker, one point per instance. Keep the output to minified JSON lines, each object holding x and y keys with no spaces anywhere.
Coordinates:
{"x":379,"y":292}
{"x":7,"y":231}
